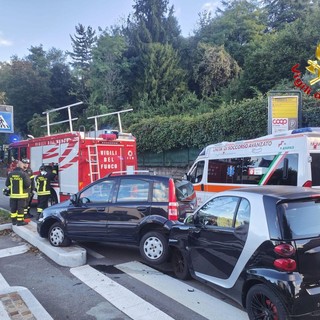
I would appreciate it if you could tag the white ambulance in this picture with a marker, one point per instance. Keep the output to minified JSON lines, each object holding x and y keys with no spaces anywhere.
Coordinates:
{"x":286,"y":158}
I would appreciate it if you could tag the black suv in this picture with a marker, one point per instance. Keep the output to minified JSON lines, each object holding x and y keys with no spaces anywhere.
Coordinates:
{"x":136,"y":209}
{"x":260,"y":246}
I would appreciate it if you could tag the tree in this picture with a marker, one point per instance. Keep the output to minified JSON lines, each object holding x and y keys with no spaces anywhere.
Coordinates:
{"x":152,"y":22}
{"x":109,"y":66}
{"x":82,"y":43}
{"x":235,"y":27}
{"x":162,"y":79}
{"x":215,"y":68}
{"x":25,"y":89}
{"x":281,"y":12}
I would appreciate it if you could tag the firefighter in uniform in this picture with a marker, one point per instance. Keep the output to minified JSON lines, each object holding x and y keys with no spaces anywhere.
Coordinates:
{"x":19,"y":183}
{"x":28,"y":170}
{"x":43,"y":186}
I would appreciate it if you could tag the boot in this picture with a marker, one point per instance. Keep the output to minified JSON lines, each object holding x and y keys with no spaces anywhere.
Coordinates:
{"x":14,"y":221}
{"x":21,"y":223}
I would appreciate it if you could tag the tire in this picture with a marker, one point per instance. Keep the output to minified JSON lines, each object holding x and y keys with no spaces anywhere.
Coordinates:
{"x":57,"y":237}
{"x":180,"y":265}
{"x":154,"y":247}
{"x":263,"y":303}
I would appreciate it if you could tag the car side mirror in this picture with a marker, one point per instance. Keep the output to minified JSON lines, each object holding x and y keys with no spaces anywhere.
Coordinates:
{"x":189,"y":219}
{"x":73,"y":198}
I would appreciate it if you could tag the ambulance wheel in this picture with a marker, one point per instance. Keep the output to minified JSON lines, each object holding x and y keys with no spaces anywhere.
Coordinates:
{"x":57,"y":236}
{"x":154,"y":247}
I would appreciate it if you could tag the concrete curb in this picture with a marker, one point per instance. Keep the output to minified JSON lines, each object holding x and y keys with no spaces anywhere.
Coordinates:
{"x":5,"y":226}
{"x":73,"y":256}
{"x":31,"y":302}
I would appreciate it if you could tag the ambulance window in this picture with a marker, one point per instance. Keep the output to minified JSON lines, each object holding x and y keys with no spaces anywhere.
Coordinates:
{"x":285,"y":172}
{"x":196,"y":173}
{"x":315,"y":169}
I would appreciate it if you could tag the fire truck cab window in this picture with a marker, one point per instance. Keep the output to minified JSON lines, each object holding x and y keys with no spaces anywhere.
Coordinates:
{"x":23,"y":153}
{"x":13,"y":154}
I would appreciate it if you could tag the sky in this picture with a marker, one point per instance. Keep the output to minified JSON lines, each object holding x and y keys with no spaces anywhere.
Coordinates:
{"x":27,"y":23}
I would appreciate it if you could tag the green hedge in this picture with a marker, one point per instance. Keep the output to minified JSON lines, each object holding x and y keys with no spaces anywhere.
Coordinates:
{"x":243,"y":120}
{"x":237,"y":121}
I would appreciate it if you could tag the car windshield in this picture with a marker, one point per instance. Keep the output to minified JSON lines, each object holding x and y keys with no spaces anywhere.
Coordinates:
{"x":301,"y":219}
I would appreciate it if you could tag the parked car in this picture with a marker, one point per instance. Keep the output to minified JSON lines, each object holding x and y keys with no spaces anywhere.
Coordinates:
{"x":136,"y":209}
{"x":260,"y":246}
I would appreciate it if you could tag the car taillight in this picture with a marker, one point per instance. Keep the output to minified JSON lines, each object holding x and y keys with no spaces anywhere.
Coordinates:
{"x":286,"y":263}
{"x":308,"y":184}
{"x":285,"y":250}
{"x":173,"y":212}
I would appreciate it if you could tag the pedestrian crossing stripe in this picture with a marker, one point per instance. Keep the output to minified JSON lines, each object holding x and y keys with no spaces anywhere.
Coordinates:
{"x":196,"y":300}
{"x":3,"y":123}
{"x":125,"y":300}
{"x":138,"y":309}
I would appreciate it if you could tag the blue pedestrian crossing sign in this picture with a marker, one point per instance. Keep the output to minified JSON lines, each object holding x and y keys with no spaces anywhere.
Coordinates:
{"x":6,"y":119}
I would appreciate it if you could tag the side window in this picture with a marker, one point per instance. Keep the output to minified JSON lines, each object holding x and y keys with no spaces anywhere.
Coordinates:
{"x":160,"y":192}
{"x":315,"y":169}
{"x":218,"y":212}
{"x":23,"y":153}
{"x":243,"y":214}
{"x":131,"y":190}
{"x":196,"y":174}
{"x":99,"y":192}
{"x":285,"y":172}
{"x":245,"y":170}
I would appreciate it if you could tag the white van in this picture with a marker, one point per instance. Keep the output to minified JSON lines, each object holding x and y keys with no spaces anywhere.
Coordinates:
{"x":286,"y":158}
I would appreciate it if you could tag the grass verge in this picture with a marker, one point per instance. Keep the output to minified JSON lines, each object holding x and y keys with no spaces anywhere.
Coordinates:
{"x":4,"y":216}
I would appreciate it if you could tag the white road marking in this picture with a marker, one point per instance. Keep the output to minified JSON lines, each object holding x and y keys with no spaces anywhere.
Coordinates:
{"x":122,"y":298}
{"x":194,"y":299}
{"x":14,"y":250}
{"x":3,"y":283}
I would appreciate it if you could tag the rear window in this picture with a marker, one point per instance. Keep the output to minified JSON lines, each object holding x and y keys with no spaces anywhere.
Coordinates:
{"x":184,"y":190}
{"x":301,"y":219}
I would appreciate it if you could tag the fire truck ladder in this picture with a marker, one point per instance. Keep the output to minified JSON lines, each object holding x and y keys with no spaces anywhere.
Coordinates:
{"x":93,"y":163}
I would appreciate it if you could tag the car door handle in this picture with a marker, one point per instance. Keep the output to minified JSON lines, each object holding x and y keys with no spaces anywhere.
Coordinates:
{"x":100,"y":209}
{"x":142,"y":209}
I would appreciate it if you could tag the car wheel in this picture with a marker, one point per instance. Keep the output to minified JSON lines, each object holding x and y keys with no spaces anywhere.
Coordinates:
{"x":57,"y":237}
{"x":154,"y":247}
{"x":263,"y":303}
{"x":180,"y":265}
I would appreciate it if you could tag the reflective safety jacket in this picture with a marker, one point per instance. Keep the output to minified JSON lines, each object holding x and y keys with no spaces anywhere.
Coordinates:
{"x":43,"y":183}
{"x":19,"y":183}
{"x":31,"y":176}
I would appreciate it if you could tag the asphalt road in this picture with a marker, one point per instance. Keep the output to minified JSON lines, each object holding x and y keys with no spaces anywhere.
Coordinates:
{"x":76,"y":293}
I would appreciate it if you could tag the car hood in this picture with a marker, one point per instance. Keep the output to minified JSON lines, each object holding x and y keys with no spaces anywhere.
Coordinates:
{"x":56,"y":209}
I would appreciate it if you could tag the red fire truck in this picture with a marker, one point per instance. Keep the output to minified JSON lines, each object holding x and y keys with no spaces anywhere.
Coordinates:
{"x":78,"y":157}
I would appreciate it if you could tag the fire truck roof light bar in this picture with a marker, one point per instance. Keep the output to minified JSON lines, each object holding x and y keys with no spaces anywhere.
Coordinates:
{"x":69,"y":116}
{"x":108,"y":114}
